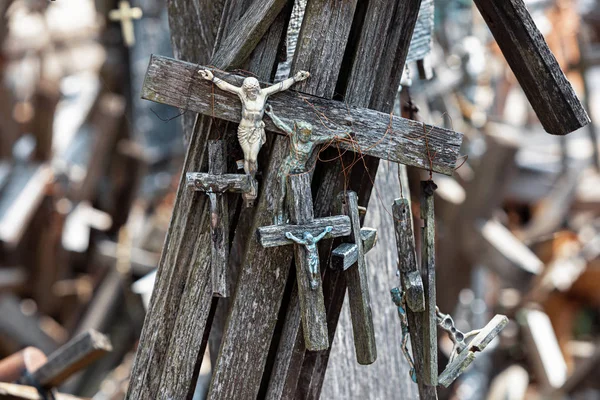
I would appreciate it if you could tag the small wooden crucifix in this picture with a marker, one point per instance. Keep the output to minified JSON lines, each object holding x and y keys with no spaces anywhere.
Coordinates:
{"x":304,"y":231}
{"x":350,"y":257}
{"x":215,"y":183}
{"x":126,"y":14}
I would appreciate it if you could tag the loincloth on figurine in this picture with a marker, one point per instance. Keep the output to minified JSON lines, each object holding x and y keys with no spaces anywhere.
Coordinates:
{"x":248,"y":135}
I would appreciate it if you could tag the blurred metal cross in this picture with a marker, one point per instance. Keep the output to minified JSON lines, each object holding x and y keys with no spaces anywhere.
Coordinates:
{"x":126,"y":15}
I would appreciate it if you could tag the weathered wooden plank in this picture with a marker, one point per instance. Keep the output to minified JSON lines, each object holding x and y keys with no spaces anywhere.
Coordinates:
{"x":478,"y":344}
{"x":420,"y":43}
{"x":321,"y":44}
{"x":206,"y":182}
{"x":72,"y":357}
{"x":346,"y":254}
{"x":274,"y":235}
{"x":430,"y":367}
{"x":374,"y":133}
{"x":312,"y":307}
{"x":358,"y":287}
{"x":407,"y":256}
{"x":535,"y":67}
{"x":247,"y":32}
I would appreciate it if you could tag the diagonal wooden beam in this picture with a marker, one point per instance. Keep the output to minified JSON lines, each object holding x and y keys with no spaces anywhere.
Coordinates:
{"x":375,"y":133}
{"x":547,"y":89}
{"x":247,"y":32}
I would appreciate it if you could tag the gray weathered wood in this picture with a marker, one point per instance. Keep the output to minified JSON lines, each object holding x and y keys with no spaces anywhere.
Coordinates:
{"x":412,"y":283}
{"x":206,"y":182}
{"x":219,"y":221}
{"x":358,"y":286}
{"x":430,"y":367}
{"x":420,"y":43}
{"x":478,"y":344}
{"x":346,"y":254}
{"x":545,"y":85}
{"x":247,"y":32}
{"x":72,"y":357}
{"x":274,"y":235}
{"x":374,"y":133}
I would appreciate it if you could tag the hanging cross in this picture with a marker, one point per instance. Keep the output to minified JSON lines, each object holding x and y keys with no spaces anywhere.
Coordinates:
{"x":215,"y":183}
{"x":126,"y":14}
{"x":373,"y":133}
{"x":418,"y":301}
{"x":304,"y":231}
{"x":350,"y":256}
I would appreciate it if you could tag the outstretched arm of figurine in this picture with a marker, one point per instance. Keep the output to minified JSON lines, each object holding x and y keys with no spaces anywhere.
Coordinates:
{"x":291,"y":236}
{"x":285,"y":84}
{"x":278,"y":122}
{"x":221,"y":84}
{"x":325,"y":232}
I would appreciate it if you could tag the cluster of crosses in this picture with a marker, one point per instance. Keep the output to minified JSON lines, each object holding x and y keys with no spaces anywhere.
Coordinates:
{"x":353,"y":129}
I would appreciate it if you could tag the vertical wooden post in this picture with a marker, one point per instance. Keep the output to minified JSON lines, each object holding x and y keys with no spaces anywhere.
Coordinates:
{"x":312,"y":304}
{"x":430,"y":367}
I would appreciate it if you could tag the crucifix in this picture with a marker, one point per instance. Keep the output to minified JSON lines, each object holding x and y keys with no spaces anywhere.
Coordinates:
{"x":368,"y":132}
{"x":126,"y":14}
{"x":251,"y":130}
{"x":416,"y":302}
{"x":304,"y":231}
{"x":350,"y":257}
{"x":215,"y":184}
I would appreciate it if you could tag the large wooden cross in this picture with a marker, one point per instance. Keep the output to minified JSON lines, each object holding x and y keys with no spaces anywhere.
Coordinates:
{"x":177,"y":83}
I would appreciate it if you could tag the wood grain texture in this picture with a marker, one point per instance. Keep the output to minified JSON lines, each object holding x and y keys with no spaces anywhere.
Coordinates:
{"x":312,"y":307}
{"x":274,"y":235}
{"x":74,"y":356}
{"x":358,"y":286}
{"x":247,"y":32}
{"x":374,"y":133}
{"x":430,"y":364}
{"x":420,"y":43}
{"x":321,"y":44}
{"x":412,"y":285}
{"x":219,"y":222}
{"x":535,"y":67}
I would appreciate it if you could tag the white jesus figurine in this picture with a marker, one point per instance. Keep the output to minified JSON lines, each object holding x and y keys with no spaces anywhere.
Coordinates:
{"x":251,"y":131}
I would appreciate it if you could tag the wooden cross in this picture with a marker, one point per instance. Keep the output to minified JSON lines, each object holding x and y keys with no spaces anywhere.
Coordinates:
{"x":350,"y":256}
{"x":215,"y":183}
{"x":126,"y":14}
{"x":303,"y":223}
{"x":373,"y":133}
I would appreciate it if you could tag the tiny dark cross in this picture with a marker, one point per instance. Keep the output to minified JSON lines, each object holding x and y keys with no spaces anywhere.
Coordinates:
{"x":215,"y":183}
{"x":350,"y":256}
{"x":303,"y":232}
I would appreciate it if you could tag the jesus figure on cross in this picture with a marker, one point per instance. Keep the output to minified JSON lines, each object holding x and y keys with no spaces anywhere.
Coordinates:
{"x":251,"y":131}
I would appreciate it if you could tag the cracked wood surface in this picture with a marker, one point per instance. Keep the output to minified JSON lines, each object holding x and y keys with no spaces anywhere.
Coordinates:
{"x":375,"y":133}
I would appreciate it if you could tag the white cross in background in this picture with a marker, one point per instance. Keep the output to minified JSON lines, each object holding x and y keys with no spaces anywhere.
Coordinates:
{"x":126,"y":15}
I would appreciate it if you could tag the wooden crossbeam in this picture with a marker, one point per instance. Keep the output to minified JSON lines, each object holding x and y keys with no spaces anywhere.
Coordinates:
{"x":535,"y":67}
{"x":346,"y":254}
{"x":374,"y":133}
{"x":310,"y":291}
{"x":77,"y":354}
